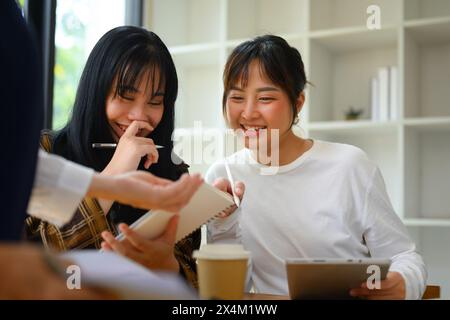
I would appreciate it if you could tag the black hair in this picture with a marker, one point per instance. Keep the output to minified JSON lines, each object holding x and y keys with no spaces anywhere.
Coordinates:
{"x":121,"y":57}
{"x":280,"y":62}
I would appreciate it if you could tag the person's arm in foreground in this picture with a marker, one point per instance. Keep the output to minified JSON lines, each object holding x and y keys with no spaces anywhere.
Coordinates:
{"x":60,"y":185}
{"x":25,"y":274}
{"x":144,"y":190}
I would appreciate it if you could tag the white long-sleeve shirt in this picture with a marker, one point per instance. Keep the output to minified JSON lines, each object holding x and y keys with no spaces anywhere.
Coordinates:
{"x":331,"y":202}
{"x":59,"y":187}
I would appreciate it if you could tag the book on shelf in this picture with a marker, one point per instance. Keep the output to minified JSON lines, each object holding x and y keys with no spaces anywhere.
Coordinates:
{"x":393,"y":93}
{"x":374,"y":90}
{"x":384,"y":94}
{"x":383,"y":78}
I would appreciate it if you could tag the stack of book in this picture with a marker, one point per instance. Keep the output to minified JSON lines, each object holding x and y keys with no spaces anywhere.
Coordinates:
{"x":384,"y":94}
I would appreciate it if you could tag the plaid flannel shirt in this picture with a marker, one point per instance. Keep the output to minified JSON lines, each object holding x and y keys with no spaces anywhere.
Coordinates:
{"x":87,"y":224}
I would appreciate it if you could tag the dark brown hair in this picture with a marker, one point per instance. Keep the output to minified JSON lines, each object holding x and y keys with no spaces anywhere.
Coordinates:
{"x":280,"y":62}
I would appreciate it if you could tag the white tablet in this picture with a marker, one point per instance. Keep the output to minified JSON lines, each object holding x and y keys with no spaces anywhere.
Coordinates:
{"x":331,"y":278}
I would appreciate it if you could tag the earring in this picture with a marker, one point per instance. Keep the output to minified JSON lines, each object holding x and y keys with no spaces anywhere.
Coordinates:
{"x":296,"y":120}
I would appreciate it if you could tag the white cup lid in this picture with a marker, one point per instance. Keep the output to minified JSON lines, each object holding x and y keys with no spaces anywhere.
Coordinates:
{"x":221,"y":252}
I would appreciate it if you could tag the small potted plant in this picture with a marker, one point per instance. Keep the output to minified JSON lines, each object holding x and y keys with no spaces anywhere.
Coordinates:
{"x":353,"y":114}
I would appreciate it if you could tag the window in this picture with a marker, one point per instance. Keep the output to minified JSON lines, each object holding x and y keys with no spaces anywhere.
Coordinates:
{"x":79,"y":25}
{"x":21,"y":4}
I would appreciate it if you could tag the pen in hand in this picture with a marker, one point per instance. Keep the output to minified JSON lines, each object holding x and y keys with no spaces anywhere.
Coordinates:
{"x":111,"y":146}
{"x":237,"y":201}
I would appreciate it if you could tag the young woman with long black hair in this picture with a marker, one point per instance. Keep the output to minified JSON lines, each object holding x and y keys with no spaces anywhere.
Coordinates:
{"x":126,"y":95}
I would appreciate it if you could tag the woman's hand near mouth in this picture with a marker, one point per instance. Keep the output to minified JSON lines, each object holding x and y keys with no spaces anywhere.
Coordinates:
{"x":129,"y":152}
{"x":131,"y":148}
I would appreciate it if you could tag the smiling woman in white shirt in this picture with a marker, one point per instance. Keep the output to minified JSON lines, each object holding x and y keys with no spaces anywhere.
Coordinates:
{"x":324,"y":200}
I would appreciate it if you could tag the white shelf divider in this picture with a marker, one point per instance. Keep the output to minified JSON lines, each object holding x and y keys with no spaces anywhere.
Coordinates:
{"x":355,"y":38}
{"x":351,"y":125}
{"x":427,"y":222}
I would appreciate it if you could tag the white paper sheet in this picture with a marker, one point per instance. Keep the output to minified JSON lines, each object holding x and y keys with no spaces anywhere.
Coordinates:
{"x":127,"y":278}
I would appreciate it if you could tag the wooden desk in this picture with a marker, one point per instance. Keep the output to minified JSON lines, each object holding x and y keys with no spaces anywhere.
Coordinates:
{"x":431,"y":292}
{"x":261,"y":296}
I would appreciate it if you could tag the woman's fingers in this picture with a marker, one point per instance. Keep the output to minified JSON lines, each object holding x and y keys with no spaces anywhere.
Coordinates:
{"x":152,"y":192}
{"x":150,"y":178}
{"x":134,"y":238}
{"x":152,"y":156}
{"x":147,"y":148}
{"x":239,"y":189}
{"x":225,"y":186}
{"x":122,"y":247}
{"x":161,"y":193}
{"x":131,"y":149}
{"x":134,"y":128}
{"x":222,"y":184}
{"x":106,"y":246}
{"x":176,"y":196}
{"x":393,"y":279}
{"x":169,"y":235}
{"x":384,"y":284}
{"x":187,"y":187}
{"x":364,"y":292}
{"x":194,"y":182}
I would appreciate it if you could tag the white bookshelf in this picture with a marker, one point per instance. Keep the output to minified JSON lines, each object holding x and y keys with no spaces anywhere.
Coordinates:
{"x":340,"y":55}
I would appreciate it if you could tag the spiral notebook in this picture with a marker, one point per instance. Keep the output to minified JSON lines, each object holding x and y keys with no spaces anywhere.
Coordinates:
{"x":204,"y":205}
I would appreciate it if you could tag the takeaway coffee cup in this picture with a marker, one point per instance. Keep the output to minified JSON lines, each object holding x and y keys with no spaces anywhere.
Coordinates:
{"x":222,"y":270}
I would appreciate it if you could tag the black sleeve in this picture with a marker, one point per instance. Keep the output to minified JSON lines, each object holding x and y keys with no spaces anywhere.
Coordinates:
{"x":22,"y":106}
